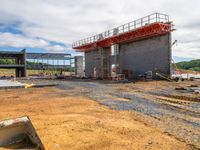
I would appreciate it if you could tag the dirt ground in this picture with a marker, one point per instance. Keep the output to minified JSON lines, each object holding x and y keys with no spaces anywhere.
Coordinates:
{"x":165,"y":91}
{"x":74,"y":122}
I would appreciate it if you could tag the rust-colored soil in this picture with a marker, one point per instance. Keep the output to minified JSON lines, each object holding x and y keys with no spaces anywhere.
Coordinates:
{"x":65,"y":122}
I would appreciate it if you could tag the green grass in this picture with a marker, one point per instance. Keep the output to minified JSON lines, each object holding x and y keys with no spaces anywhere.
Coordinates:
{"x":9,"y":72}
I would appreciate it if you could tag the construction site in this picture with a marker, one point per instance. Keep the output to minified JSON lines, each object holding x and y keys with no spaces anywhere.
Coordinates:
{"x":123,"y":92}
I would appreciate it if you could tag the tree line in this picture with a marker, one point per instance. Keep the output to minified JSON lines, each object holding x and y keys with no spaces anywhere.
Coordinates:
{"x":189,"y":65}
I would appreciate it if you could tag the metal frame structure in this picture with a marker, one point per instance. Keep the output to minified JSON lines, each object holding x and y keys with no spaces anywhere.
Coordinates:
{"x":152,"y":25}
{"x":40,"y":61}
{"x":19,"y":63}
{"x":49,"y":61}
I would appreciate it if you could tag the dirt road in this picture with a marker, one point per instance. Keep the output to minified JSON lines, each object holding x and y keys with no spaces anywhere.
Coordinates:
{"x":74,"y":122}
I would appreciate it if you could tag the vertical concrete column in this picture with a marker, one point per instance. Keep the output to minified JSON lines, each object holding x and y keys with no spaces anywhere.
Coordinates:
{"x":170,"y":54}
{"x":97,"y":63}
{"x":20,"y":72}
{"x":21,"y":60}
{"x":115,"y":63}
{"x":17,"y":72}
{"x":79,"y":70}
{"x":24,"y":63}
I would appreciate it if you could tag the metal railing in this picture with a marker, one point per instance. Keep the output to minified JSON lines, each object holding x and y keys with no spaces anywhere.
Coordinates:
{"x":153,"y":18}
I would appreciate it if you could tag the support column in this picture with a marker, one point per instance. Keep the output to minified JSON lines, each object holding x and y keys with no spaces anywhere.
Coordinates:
{"x":21,"y":60}
{"x":79,"y":71}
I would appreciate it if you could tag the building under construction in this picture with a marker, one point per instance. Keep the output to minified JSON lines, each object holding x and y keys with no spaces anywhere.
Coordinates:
{"x":130,"y":50}
{"x":45,"y":62}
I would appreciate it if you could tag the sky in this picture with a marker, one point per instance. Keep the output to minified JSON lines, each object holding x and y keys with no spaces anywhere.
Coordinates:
{"x":52,"y":25}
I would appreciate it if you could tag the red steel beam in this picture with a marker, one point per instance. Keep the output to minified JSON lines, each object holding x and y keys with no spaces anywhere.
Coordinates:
{"x":147,"y":31}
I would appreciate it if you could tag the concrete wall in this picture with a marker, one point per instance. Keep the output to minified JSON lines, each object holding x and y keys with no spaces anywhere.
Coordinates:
{"x":153,"y":54}
{"x":90,"y":63}
{"x":93,"y":63}
{"x":79,"y":66}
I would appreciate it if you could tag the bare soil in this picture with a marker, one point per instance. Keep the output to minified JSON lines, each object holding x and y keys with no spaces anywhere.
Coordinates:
{"x":74,"y":122}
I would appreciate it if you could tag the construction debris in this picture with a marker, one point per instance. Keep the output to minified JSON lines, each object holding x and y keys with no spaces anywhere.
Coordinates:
{"x":19,"y":134}
{"x":180,"y":88}
{"x":194,"y":85}
{"x":149,"y":75}
{"x":38,"y":85}
{"x":190,"y":89}
{"x":163,"y":76}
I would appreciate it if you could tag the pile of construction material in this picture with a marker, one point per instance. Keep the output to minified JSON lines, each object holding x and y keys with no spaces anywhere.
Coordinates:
{"x":191,"y":89}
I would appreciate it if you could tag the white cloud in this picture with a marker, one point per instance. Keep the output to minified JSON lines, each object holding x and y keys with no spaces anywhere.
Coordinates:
{"x":55,"y":48}
{"x":67,"y":21}
{"x":20,"y":41}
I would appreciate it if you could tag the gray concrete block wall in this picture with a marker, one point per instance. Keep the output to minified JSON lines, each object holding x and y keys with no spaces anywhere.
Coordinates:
{"x":90,"y":63}
{"x":93,"y":63}
{"x":79,"y":72}
{"x":138,"y":57}
{"x":152,"y":54}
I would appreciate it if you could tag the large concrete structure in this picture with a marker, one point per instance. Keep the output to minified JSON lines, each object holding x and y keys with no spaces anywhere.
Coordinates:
{"x":132,"y":49}
{"x":152,"y":54}
{"x":134,"y":58}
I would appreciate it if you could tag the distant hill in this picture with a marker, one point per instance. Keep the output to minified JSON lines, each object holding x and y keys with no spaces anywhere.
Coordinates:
{"x":193,"y":65}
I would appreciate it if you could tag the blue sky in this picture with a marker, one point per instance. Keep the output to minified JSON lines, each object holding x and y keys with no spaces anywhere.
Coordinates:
{"x":51,"y":26}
